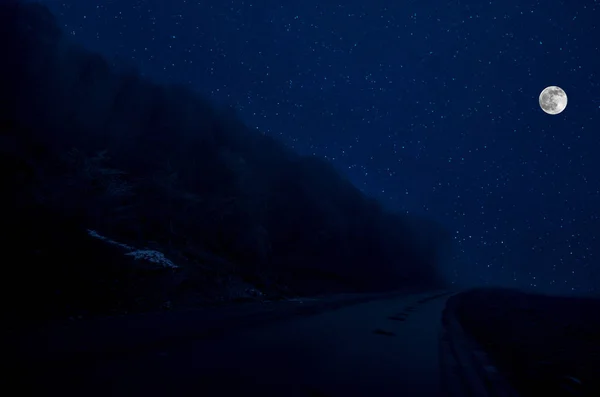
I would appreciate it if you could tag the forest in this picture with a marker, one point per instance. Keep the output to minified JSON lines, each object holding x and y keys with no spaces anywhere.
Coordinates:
{"x":104,"y":171}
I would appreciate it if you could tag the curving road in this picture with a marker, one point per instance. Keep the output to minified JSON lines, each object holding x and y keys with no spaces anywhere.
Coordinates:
{"x":379,"y":348}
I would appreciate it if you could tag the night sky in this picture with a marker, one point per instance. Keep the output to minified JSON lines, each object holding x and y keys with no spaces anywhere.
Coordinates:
{"x":430,"y":106}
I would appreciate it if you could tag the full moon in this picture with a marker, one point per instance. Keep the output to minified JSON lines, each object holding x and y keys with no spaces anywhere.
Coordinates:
{"x":553,"y":100}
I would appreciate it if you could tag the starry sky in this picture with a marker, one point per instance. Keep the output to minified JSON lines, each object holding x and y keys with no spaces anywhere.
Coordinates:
{"x":429,"y":105}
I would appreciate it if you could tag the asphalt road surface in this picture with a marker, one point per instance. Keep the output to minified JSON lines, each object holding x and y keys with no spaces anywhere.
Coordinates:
{"x":380,"y":348}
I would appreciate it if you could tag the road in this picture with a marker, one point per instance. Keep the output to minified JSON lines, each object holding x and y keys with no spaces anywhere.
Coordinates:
{"x":380,"y":348}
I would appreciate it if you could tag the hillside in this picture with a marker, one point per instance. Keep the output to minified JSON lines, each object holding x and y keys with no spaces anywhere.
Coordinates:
{"x":122,"y":195}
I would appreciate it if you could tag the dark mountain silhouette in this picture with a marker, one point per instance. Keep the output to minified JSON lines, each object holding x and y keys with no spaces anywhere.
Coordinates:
{"x":103,"y":172}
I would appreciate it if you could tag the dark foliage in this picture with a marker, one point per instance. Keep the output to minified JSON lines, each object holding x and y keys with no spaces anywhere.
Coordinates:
{"x":85,"y":147}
